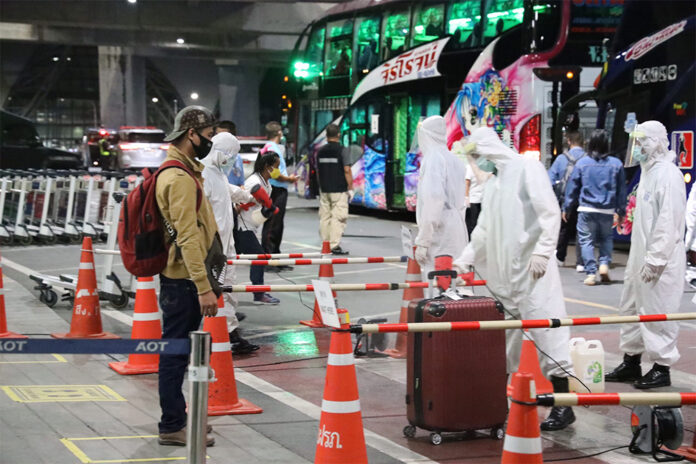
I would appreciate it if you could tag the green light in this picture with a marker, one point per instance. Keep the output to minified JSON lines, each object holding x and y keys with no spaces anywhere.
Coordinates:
{"x":301,"y":343}
{"x":420,"y":29}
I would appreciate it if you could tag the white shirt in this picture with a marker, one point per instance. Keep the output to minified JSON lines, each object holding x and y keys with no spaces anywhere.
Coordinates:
{"x":246,"y":220}
{"x":475,"y":189}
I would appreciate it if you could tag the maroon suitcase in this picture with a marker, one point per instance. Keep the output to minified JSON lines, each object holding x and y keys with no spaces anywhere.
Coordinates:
{"x":456,"y":381}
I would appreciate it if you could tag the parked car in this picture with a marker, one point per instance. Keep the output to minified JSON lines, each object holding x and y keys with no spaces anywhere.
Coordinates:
{"x":250,"y":148}
{"x":90,"y":144}
{"x":140,"y":147}
{"x":21,"y":147}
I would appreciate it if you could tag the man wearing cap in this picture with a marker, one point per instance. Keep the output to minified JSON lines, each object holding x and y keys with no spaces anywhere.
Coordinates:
{"x":185,"y":291}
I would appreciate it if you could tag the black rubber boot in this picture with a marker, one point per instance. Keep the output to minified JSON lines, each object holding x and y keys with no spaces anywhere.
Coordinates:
{"x":560,"y":417}
{"x":656,"y":377}
{"x":628,"y":371}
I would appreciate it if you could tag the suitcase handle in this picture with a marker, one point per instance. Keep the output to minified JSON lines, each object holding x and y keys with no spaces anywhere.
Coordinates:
{"x":445,"y":273}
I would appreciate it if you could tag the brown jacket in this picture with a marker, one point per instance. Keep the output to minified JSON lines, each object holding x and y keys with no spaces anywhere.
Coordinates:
{"x":176,"y":198}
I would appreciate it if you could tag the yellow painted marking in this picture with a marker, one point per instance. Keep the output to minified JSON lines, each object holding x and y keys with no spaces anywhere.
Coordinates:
{"x":58,"y":359}
{"x":82,"y":456}
{"x":60,"y":393}
{"x":593,"y":305}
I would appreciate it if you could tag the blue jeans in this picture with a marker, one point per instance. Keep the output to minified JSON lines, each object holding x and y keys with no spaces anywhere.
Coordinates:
{"x":181,"y":314}
{"x":594,"y":230}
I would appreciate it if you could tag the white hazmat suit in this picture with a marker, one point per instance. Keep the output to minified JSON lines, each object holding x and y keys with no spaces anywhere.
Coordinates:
{"x":441,"y":207}
{"x":653,"y":283}
{"x":512,"y":247}
{"x":222,"y":195}
{"x":691,"y":231}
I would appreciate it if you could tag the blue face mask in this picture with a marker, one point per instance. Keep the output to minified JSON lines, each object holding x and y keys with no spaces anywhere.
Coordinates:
{"x":485,"y":165}
{"x":638,"y":154}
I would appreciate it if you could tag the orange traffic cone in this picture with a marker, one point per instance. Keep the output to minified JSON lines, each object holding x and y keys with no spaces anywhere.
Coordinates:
{"x":522,"y":443}
{"x":443,"y":263}
{"x":529,"y":362}
{"x":326,"y":272}
{"x":4,"y":333}
{"x":146,"y":324}
{"x":413,"y":274}
{"x":222,"y":393}
{"x":341,"y":438}
{"x":86,"y":319}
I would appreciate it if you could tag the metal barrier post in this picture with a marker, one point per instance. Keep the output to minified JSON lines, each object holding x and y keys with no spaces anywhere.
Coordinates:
{"x":113,"y":214}
{"x":198,"y":374}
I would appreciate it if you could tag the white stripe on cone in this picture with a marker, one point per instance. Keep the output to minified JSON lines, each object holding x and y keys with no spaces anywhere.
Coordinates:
{"x":413,"y":277}
{"x":86,"y":266}
{"x":221,"y":347}
{"x":341,"y":359}
{"x":521,"y":445}
{"x":146,"y":316}
{"x":326,"y":279}
{"x":405,"y":303}
{"x":340,"y":407}
{"x":146,"y":285}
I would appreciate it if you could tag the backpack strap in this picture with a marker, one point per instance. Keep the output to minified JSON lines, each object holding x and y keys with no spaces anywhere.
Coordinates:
{"x":178,"y":164}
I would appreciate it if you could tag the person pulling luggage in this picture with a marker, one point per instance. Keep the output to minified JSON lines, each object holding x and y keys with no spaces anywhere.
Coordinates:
{"x":512,"y":247}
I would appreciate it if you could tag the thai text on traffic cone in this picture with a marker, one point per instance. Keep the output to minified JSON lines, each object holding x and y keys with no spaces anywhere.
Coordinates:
{"x":86,"y":318}
{"x":413,"y":274}
{"x":146,"y":324}
{"x":4,"y":333}
{"x":222,"y":393}
{"x":529,"y":362}
{"x":326,"y":272}
{"x":341,"y":438}
{"x":522,"y":438}
{"x":443,"y":263}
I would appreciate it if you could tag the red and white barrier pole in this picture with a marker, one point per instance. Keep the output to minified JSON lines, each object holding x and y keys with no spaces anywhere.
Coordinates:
{"x":624,"y":399}
{"x":516,"y":324}
{"x":310,"y":287}
{"x":309,"y":262}
{"x":278,"y":256}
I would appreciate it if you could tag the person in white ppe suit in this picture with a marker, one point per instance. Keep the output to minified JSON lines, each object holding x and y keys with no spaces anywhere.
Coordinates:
{"x":653,"y":281}
{"x":512,"y":248}
{"x":691,"y":238}
{"x":222,"y":195}
{"x":441,"y":207}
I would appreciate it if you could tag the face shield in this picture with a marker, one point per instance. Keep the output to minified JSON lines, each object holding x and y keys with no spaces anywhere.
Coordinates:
{"x":635,"y":151}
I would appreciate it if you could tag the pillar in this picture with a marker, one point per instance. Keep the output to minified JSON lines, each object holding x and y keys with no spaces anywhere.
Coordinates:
{"x":121,"y":87}
{"x":239,"y":97}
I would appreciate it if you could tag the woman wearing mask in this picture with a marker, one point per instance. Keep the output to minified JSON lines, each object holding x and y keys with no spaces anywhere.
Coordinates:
{"x":250,"y":221}
{"x":221,"y":195}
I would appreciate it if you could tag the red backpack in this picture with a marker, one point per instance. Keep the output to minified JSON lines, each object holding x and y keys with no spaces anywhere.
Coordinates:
{"x":141,"y":240}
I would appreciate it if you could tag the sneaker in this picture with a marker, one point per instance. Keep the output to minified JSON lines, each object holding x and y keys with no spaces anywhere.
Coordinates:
{"x":628,"y":371}
{"x":579,"y":268}
{"x":240,"y":345}
{"x":604,"y":273}
{"x":692,"y":283}
{"x":559,"y":418}
{"x":656,"y":377}
{"x":337,"y":250}
{"x":179,"y":438}
{"x":266,"y":299}
{"x":591,"y":279}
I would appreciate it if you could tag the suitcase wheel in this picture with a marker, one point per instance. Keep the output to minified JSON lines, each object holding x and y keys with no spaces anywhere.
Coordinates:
{"x":435,"y":438}
{"x":498,"y":433}
{"x":409,"y":431}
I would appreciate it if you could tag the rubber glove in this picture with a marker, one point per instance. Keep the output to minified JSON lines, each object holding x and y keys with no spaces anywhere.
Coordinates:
{"x":537,"y":266}
{"x":465,"y":262}
{"x":650,"y":272}
{"x":421,"y":255}
{"x":351,"y":194}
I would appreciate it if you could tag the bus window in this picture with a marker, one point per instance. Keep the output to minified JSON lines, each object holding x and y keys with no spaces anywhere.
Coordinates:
{"x":502,"y":15}
{"x":366,"y":45}
{"x":465,"y":23}
{"x":322,"y":118}
{"x":313,"y":59}
{"x":339,"y":50}
{"x":396,"y":28}
{"x":429,"y":23}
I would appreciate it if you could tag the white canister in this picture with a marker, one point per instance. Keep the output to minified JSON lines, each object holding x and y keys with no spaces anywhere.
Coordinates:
{"x":588,"y":361}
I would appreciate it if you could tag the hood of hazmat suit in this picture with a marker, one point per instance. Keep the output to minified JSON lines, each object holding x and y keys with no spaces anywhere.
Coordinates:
{"x":519,"y":218}
{"x":657,"y":242}
{"x":217,"y":188}
{"x":441,"y":207}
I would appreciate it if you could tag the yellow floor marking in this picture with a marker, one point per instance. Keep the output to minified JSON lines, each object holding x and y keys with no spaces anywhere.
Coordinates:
{"x":592,"y":305}
{"x":82,"y":456}
{"x":58,"y":359}
{"x":60,"y":393}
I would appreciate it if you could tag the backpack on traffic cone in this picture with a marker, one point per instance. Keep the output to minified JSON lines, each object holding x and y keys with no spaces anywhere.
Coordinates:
{"x":222,"y":393}
{"x":529,"y":362}
{"x":522,"y":443}
{"x":341,"y":437}
{"x":326,"y":272}
{"x":146,"y":324}
{"x":413,"y":274}
{"x":4,"y":333}
{"x":86,"y":319}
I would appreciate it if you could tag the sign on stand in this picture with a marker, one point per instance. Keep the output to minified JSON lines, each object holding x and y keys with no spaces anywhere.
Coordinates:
{"x":326,"y":303}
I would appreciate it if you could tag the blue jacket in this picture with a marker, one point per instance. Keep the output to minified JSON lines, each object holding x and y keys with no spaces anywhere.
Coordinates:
{"x":558,"y":168}
{"x":598,"y":184}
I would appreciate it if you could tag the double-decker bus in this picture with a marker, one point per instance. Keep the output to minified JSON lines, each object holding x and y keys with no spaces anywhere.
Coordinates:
{"x":379,"y":67}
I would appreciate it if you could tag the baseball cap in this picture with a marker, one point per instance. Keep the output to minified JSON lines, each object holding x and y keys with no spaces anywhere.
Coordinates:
{"x":191,"y":117}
